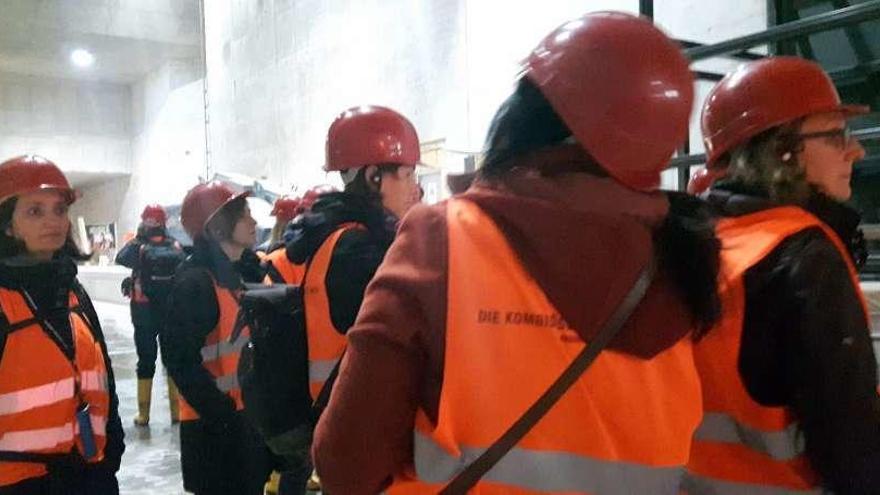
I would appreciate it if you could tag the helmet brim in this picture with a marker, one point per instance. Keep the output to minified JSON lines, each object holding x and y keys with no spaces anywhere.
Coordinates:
{"x":846,"y":111}
{"x":224,"y":205}
{"x":852,"y":110}
{"x":70,"y":194}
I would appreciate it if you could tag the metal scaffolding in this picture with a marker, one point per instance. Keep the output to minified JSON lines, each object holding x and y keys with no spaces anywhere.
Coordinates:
{"x":737,"y":48}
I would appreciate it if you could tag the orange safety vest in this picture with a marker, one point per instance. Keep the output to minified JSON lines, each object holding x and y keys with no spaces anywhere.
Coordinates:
{"x":742,"y":446}
{"x":38,"y":400}
{"x":624,"y":427}
{"x":326,"y":342}
{"x":291,"y":273}
{"x":220,"y":354}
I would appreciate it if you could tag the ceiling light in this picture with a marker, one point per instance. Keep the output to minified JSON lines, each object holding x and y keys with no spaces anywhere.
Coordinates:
{"x":82,"y":58}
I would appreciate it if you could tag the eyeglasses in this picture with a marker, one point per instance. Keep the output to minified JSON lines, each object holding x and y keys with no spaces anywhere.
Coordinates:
{"x":840,"y":138}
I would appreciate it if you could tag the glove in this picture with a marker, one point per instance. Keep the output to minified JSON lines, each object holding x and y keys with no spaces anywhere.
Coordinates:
{"x":127,"y":284}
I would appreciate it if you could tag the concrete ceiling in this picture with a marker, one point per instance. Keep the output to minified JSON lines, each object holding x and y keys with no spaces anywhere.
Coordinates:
{"x":129,"y":38}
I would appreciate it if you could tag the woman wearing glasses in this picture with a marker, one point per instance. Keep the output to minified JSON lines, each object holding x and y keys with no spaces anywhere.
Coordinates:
{"x":789,"y":376}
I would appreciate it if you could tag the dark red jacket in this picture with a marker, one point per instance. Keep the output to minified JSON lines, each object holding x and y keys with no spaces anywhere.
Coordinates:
{"x":394,"y":363}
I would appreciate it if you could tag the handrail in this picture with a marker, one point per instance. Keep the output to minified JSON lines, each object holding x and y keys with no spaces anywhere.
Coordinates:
{"x":815,"y":24}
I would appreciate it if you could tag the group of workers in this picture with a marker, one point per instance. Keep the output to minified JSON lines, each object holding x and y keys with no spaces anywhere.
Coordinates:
{"x":560,"y":326}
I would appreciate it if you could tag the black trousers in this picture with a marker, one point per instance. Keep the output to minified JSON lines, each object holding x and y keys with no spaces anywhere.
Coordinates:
{"x":228,"y":459}
{"x":148,"y":319}
{"x":293,"y":481}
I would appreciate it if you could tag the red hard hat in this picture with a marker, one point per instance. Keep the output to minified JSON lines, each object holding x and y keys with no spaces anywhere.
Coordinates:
{"x":622,"y":87}
{"x":202,"y":203}
{"x":311,"y":196}
{"x":702,"y":179}
{"x":29,"y":173}
{"x":371,"y":135}
{"x":286,"y":208}
{"x":761,"y":95}
{"x":154,"y":213}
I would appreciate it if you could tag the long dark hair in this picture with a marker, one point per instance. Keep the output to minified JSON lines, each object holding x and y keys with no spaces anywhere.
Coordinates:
{"x":524,"y":123}
{"x":686,"y":242}
{"x":10,"y":246}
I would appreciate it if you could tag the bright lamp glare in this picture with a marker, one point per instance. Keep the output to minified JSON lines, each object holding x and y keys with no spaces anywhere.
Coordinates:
{"x":82,"y":58}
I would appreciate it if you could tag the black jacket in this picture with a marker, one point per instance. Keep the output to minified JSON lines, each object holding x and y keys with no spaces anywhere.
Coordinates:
{"x":806,"y":343}
{"x":220,"y":453}
{"x":193,"y":312}
{"x":49,"y":285}
{"x":357,"y":254}
{"x":130,"y":254}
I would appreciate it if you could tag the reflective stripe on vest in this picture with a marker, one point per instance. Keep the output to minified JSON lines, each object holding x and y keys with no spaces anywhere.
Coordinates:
{"x":48,"y":438}
{"x":741,"y":446}
{"x":319,"y":371}
{"x":50,"y":393}
{"x":547,"y":471}
{"x":326,"y":342}
{"x":220,"y":356}
{"x":37,"y":390}
{"x":782,"y":445}
{"x":695,"y":485}
{"x":624,"y":427}
{"x":223,"y":348}
{"x":34,"y":397}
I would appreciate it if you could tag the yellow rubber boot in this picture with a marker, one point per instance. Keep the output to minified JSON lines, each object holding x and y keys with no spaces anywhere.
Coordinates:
{"x":271,"y":487}
{"x":144,"y":393}
{"x":173,"y":404}
{"x":314,"y":483}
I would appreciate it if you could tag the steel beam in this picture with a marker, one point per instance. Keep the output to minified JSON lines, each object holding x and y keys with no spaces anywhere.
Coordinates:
{"x":823,"y":22}
{"x":646,"y":8}
{"x":743,"y":55}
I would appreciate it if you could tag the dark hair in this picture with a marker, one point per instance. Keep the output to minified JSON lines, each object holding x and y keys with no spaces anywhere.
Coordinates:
{"x":525,"y":122}
{"x":369,"y":188}
{"x":10,"y":246}
{"x":768,"y":162}
{"x":221,"y":226}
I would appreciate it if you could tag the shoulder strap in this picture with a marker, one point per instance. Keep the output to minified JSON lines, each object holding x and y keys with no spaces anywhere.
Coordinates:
{"x":38,"y":318}
{"x":79,"y":293}
{"x":4,"y":331}
{"x":273,"y":273}
{"x":477,"y":469}
{"x":334,"y":238}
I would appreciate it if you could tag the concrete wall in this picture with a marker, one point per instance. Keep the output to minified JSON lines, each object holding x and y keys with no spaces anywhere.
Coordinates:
{"x":99,"y":202}
{"x":168,"y":142}
{"x":83,"y":126}
{"x":124,"y":146}
{"x":278,"y":71}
